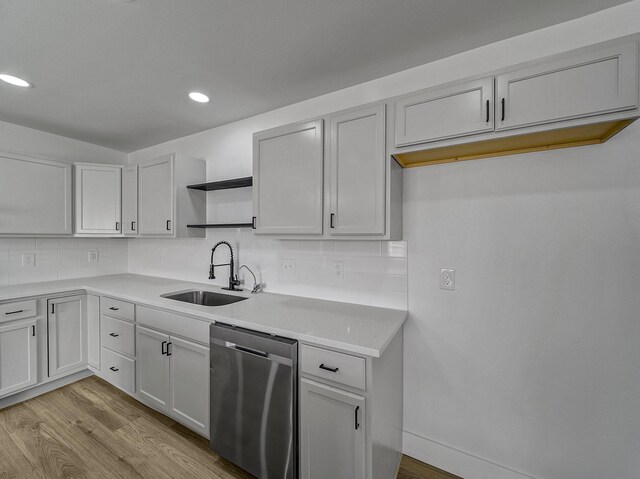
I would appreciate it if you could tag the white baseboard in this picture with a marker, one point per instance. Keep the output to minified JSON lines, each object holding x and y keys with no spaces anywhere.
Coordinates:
{"x":456,"y":462}
{"x":43,"y":388}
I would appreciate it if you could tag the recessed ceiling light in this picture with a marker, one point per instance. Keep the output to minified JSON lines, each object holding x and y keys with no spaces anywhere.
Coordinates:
{"x":199,"y":97}
{"x":14,"y":80}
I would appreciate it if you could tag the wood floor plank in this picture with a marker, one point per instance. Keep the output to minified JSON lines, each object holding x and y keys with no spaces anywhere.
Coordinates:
{"x":89,"y":429}
{"x":411,"y":468}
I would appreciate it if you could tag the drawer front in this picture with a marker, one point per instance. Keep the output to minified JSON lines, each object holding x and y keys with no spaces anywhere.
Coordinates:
{"x":117,"y":308}
{"x":118,"y":335}
{"x":338,"y":367}
{"x":118,"y":370}
{"x":18,"y":310}
{"x":173,"y":323}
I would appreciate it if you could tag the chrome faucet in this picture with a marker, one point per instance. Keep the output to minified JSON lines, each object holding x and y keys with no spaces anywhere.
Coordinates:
{"x":257,"y":287}
{"x":233,"y":279}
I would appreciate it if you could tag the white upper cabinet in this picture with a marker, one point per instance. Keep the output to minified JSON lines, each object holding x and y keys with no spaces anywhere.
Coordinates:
{"x":156,"y":195}
{"x":98,"y":199}
{"x":130,"y":200}
{"x":357,"y":166}
{"x":288,"y":179}
{"x":165,"y":205}
{"x":18,"y":356}
{"x":444,"y":112}
{"x":603,"y":80}
{"x":35,"y":196}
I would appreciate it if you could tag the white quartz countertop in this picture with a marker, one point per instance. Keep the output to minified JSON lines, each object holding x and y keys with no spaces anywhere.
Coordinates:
{"x":365,"y":330}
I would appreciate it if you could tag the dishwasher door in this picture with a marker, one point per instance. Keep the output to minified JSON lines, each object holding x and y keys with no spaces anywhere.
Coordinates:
{"x":254,"y":401}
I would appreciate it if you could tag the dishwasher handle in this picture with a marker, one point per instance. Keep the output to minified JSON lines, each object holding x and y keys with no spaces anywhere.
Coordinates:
{"x":244,"y":349}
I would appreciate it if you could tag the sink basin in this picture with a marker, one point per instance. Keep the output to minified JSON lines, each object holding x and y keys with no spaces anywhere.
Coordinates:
{"x":205,"y":298}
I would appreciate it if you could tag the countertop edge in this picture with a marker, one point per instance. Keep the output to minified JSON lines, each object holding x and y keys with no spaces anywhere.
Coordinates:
{"x":213,"y":317}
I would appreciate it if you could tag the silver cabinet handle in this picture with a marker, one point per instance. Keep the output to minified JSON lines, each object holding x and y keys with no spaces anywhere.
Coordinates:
{"x":168,"y":225}
{"x":114,"y":369}
{"x":114,"y":335}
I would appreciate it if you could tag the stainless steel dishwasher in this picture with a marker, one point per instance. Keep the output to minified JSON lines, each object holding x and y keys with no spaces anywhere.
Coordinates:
{"x":254,"y":401}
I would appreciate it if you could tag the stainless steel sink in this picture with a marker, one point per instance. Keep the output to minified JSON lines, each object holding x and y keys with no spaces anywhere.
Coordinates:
{"x":205,"y":298}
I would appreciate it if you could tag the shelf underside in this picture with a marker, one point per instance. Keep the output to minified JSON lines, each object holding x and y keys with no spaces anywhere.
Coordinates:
{"x":592,"y":134}
{"x":224,"y":184}
{"x":222,"y":225}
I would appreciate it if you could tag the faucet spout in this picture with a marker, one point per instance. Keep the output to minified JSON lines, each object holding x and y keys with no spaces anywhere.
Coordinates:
{"x":233,"y":279}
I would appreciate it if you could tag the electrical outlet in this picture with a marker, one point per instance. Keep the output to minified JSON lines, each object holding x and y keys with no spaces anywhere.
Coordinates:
{"x":338,"y":270}
{"x":289,"y":267}
{"x":93,"y":257}
{"x":28,"y":260}
{"x":448,"y":279}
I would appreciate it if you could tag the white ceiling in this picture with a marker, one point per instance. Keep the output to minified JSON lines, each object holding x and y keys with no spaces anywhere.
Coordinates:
{"x":116,"y":73}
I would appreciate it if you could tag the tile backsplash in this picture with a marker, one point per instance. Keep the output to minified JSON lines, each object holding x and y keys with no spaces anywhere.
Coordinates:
{"x":27,"y":260}
{"x":374,"y":272}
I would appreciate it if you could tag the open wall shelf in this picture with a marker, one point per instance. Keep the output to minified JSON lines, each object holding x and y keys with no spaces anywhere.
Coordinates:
{"x":224,"y":184}
{"x":222,"y":225}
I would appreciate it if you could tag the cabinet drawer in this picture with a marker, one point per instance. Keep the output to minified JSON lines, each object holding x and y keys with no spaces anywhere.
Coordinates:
{"x":118,"y":335}
{"x":118,"y":370}
{"x":338,"y":367}
{"x":173,"y":323}
{"x":117,"y":309}
{"x":18,"y":310}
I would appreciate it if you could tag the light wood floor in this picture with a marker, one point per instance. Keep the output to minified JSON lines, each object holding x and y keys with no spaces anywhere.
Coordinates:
{"x":90,"y":429}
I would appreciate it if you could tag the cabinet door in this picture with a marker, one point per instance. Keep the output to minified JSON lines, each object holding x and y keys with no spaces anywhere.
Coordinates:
{"x":18,"y":356}
{"x":156,"y":197}
{"x":602,"y":81}
{"x":67,"y":334}
{"x":98,"y":199}
{"x":357,"y":179}
{"x":288,"y":179}
{"x":152,"y":367}
{"x":332,"y":432}
{"x":190,"y":384}
{"x":130,"y":200}
{"x":445,"y":112}
{"x":93,"y":331}
{"x":35,"y":197}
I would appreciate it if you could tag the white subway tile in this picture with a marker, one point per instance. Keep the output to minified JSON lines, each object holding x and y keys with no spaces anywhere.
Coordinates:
{"x":57,"y":243}
{"x":17,"y":243}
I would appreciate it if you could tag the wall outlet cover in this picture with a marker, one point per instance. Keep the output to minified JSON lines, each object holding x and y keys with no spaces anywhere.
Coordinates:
{"x":289,"y":267}
{"x":28,"y":260}
{"x":93,"y":257}
{"x":448,"y":279}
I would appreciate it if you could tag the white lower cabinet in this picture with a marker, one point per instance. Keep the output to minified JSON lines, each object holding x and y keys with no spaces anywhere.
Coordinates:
{"x":332,"y":432}
{"x":18,"y":356}
{"x":173,"y":377}
{"x":67,"y":338}
{"x":153,"y":367}
{"x":119,"y":370}
{"x":189,"y":383}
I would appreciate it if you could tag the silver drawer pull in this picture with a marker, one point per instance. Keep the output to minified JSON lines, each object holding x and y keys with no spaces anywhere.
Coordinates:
{"x":114,"y":369}
{"x":15,"y":312}
{"x":114,"y":335}
{"x":113,"y":309}
{"x":328,"y":368}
